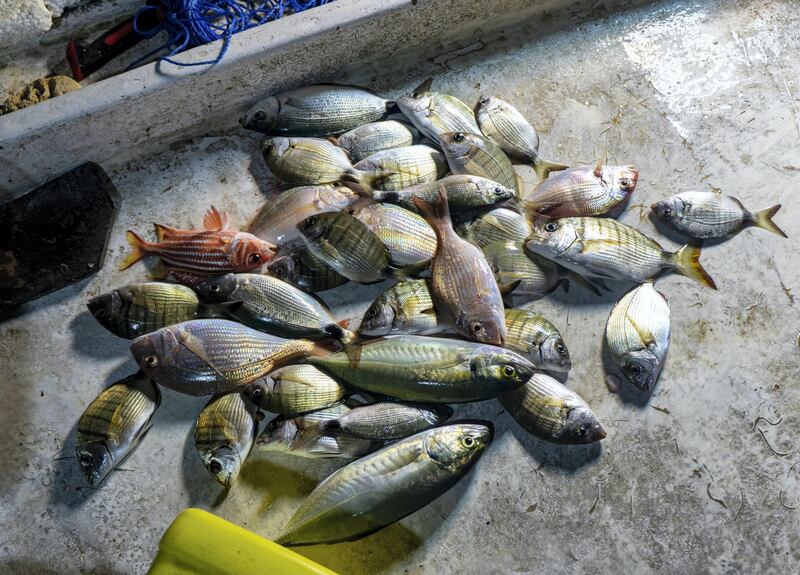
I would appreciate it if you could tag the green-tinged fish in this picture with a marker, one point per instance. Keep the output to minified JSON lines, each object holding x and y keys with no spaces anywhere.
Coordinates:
{"x":500,"y":224}
{"x":606,"y":248}
{"x":464,"y":290}
{"x":434,"y":113}
{"x":139,"y":309}
{"x":387,"y":485}
{"x":277,"y":220}
{"x":407,"y":166}
{"x":113,"y":424}
{"x":274,"y":306}
{"x":585,"y":191}
{"x":706,"y":215}
{"x":637,"y":335}
{"x":224,"y":434}
{"x":550,"y":411}
{"x":534,"y":337}
{"x":474,"y":154}
{"x":295,"y":389}
{"x":371,"y":138}
{"x":385,"y":421}
{"x":317,"y":110}
{"x":521,"y":274}
{"x":427,"y":369}
{"x":303,"y":269}
{"x":211,"y":356}
{"x":348,"y":246}
{"x":407,"y":236}
{"x":505,"y":126}
{"x":300,"y":436}
{"x":405,"y":308}
{"x":467,"y":195}
{"x":307,"y":161}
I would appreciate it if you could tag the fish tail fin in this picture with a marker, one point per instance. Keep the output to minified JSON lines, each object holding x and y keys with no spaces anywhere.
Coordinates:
{"x":543,"y":167}
{"x":359,"y":187}
{"x":369,"y":179}
{"x":763,"y":219}
{"x":139,"y":250}
{"x":437,"y":213}
{"x":687,"y":262}
{"x":409,"y":271}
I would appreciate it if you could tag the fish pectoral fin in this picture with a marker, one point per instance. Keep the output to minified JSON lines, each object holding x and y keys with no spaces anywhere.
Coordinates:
{"x":645,"y":334}
{"x":214,"y":220}
{"x":329,"y":249}
{"x":193,"y":344}
{"x":428,"y":311}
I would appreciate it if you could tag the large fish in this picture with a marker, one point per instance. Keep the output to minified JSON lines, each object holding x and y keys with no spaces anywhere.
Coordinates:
{"x":606,"y":248}
{"x":388,"y":420}
{"x":463,"y":287}
{"x":404,"y":308}
{"x":637,"y":335}
{"x":434,"y":113}
{"x":371,"y":138}
{"x":224,"y":434}
{"x":427,"y":369}
{"x":213,"y":250}
{"x":474,"y":154}
{"x":551,"y":411}
{"x":533,"y":336}
{"x":303,"y":269}
{"x":274,"y":306}
{"x":113,"y":424}
{"x":407,"y":166}
{"x":507,"y":127}
{"x":211,"y":356}
{"x":295,"y":389}
{"x":387,"y":485}
{"x":499,"y":224}
{"x":317,"y":110}
{"x":406,"y":235}
{"x":277,"y":220}
{"x":706,"y":215}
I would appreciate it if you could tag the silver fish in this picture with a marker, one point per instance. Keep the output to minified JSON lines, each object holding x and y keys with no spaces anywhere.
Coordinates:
{"x":370,"y":138}
{"x":434,"y":113}
{"x":474,"y":154}
{"x":404,"y":167}
{"x":384,"y":487}
{"x":406,"y":235}
{"x":706,"y":215}
{"x":405,"y":308}
{"x":534,"y":337}
{"x":499,"y":224}
{"x":637,"y":334}
{"x":295,"y":389}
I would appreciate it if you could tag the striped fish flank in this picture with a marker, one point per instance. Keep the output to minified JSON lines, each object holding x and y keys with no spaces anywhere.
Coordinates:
{"x":409,"y":166}
{"x":474,"y":154}
{"x":306,"y":271}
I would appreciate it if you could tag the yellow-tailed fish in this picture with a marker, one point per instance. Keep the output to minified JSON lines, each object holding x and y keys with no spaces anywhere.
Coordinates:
{"x":406,"y":235}
{"x":371,"y":138}
{"x":295,"y":389}
{"x":435,"y":113}
{"x":404,"y":308}
{"x":407,"y":166}
{"x":474,"y":154}
{"x":499,"y":224}
{"x":306,"y":271}
{"x":534,"y":337}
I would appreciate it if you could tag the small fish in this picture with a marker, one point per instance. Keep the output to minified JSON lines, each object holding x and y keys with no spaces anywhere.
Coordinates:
{"x":637,"y":335}
{"x":317,"y":110}
{"x":300,"y":436}
{"x":434,"y":113}
{"x":295,"y":389}
{"x":276,"y":222}
{"x":306,"y":271}
{"x":531,"y":335}
{"x":517,"y":272}
{"x":406,"y":235}
{"x":384,"y":487}
{"x":211,"y":356}
{"x":224,"y":434}
{"x":584,"y":191}
{"x":113,"y":424}
{"x":550,"y":411}
{"x":405,"y":308}
{"x":213,"y":250}
{"x":348,"y":246}
{"x":407,"y":166}
{"x":274,"y":306}
{"x":608,"y":249}
{"x":474,"y":154}
{"x":706,"y":215}
{"x":463,"y":287}
{"x":309,"y":161}
{"x":138,"y":309}
{"x":427,"y":369}
{"x":507,"y":127}
{"x":385,"y":421}
{"x":371,"y":138}
{"x":500,"y":224}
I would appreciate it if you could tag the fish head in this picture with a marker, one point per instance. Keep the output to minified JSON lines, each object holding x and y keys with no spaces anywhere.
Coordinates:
{"x":105,"y":307}
{"x":551,"y":238}
{"x":312,"y":228}
{"x":489,"y":363}
{"x":274,"y":148}
{"x":483,"y":326}
{"x":283,"y":268}
{"x":488,"y":105}
{"x":641,"y":368}
{"x":554,"y":354}
{"x":581,"y":426}
{"x":457,"y":144}
{"x":263,"y":116}
{"x":246,"y":252}
{"x":218,"y":289}
{"x":278,"y":435}
{"x":258,"y":391}
{"x":223,"y":463}
{"x":669,"y":210}
{"x":379,"y":319}
{"x":454,"y":446}
{"x":96,"y":462}
{"x":418,"y":102}
{"x":155,"y":351}
{"x":622,"y":178}
{"x":492,"y":193}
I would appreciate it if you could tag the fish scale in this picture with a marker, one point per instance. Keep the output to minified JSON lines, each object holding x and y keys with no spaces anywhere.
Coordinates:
{"x":471,"y":153}
{"x":306,"y":271}
{"x":388,"y":420}
{"x":370,"y":138}
{"x":408,"y":166}
{"x":406,"y":235}
{"x":295,"y":389}
{"x":499,"y":224}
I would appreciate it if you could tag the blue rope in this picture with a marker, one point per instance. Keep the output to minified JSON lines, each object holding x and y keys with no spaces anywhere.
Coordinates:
{"x":191,"y":23}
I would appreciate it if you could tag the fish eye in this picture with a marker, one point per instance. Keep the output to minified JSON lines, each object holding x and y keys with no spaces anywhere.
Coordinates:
{"x":624,"y":183}
{"x":86,"y":460}
{"x":667,"y":212}
{"x":259,"y":116}
{"x":256,"y":394}
{"x":477,"y":328}
{"x":636,"y":369}
{"x":458,"y":137}
{"x":311,"y":221}
{"x":498,"y":191}
{"x":252,"y":259}
{"x":583,"y":431}
{"x":467,"y":441}
{"x":214,"y":288}
{"x":416,"y":95}
{"x":215,"y":466}
{"x":151,"y":361}
{"x":551,"y":226}
{"x":509,"y":371}
{"x":372,"y":312}
{"x":279,"y":272}
{"x":561,"y":349}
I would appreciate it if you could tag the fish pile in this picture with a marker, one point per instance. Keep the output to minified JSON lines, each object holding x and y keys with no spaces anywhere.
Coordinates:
{"x":422,"y":191}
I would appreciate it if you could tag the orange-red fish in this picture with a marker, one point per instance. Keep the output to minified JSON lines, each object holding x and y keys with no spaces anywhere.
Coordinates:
{"x":211,"y":251}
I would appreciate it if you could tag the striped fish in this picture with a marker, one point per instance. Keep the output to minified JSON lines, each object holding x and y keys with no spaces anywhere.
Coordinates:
{"x":211,"y":251}
{"x":474,"y":154}
{"x":534,"y":337}
{"x":370,"y":138}
{"x":435,"y":113}
{"x":113,"y":424}
{"x":295,"y":389}
{"x":303,"y":269}
{"x":499,"y":224}
{"x":408,"y":166}
{"x":224,"y":434}
{"x":407,"y":236}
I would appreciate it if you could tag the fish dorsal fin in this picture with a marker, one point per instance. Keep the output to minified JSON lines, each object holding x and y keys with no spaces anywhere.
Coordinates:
{"x":598,"y":169}
{"x":645,"y":334}
{"x":214,"y":220}
{"x":162,"y":230}
{"x":193,"y":344}
{"x":423,"y":88}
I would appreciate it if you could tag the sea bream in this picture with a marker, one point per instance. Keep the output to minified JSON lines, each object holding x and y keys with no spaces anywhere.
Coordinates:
{"x":435,"y":113}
